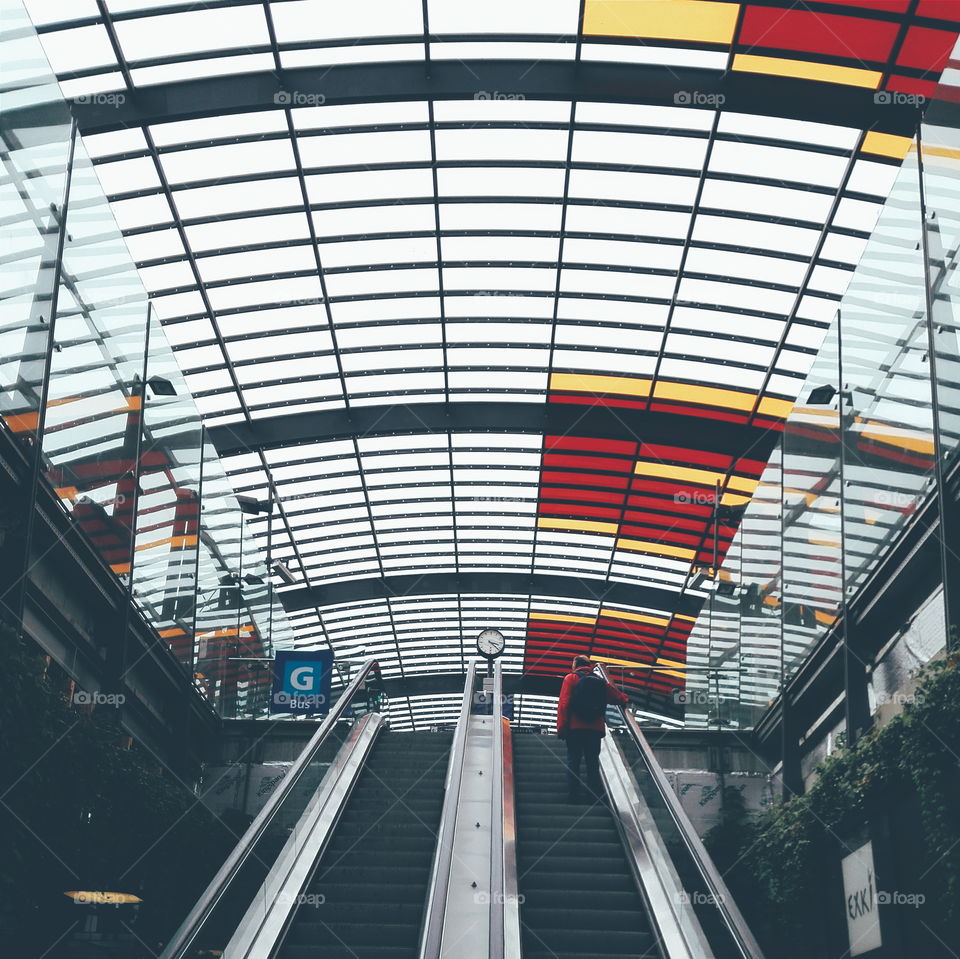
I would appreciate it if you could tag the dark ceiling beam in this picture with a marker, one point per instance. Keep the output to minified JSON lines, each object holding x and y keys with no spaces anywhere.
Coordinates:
{"x":451,"y":684}
{"x":533,"y":79}
{"x":552,"y":419}
{"x":507,"y":582}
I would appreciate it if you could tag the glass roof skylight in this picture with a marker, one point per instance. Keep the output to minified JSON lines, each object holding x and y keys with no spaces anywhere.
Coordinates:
{"x":675,"y":264}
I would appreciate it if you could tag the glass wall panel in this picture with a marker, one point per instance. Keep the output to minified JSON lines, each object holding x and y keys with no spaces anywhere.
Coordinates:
{"x":887,"y":416}
{"x":812,"y":556}
{"x":35,"y":138}
{"x":941,"y":183}
{"x":168,"y":506}
{"x":234,"y":618}
{"x":93,"y":416}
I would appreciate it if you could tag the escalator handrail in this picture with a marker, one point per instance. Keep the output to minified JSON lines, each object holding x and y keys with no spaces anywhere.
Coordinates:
{"x":504,"y":941}
{"x":183,"y":938}
{"x":432,"y":935}
{"x":732,"y":918}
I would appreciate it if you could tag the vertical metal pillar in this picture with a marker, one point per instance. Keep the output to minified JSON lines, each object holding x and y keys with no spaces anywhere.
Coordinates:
{"x":117,"y":659}
{"x":37,"y":458}
{"x":949,"y":562}
{"x":856,"y":702}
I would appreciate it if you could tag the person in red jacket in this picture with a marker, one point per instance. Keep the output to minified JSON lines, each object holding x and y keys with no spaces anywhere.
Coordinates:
{"x":580,"y":721}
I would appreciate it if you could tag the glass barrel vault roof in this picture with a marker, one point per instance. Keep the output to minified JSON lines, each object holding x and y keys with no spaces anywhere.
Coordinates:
{"x":668,"y":263}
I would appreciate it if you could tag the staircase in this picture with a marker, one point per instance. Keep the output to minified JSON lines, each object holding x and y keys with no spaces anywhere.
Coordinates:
{"x":580,"y":900}
{"x":366,"y":898}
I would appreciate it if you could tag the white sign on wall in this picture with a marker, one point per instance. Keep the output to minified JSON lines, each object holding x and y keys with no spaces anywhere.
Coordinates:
{"x":860,"y":900}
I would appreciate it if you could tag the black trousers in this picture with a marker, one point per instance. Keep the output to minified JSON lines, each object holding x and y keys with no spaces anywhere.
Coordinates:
{"x":583,"y":747}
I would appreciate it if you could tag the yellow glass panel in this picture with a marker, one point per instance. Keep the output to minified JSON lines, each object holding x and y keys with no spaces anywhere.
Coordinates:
{"x":596,"y":383}
{"x":770,"y":406}
{"x":806,"y":70}
{"x":643,"y":546}
{"x":559,"y":617}
{"x":705,"y":395}
{"x":733,"y":499}
{"x":586,"y":526}
{"x":893,"y":437}
{"x":700,"y":21}
{"x":635,"y":617}
{"x":688,"y":473}
{"x":886,"y":145}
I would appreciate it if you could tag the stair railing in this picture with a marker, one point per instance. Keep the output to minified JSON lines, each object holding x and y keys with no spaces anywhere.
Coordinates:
{"x":504,"y":942}
{"x":741,"y":943}
{"x":432,"y":934}
{"x":184,"y":937}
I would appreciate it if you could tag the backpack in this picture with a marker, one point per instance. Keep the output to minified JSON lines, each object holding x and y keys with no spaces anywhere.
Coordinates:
{"x":588,"y":698}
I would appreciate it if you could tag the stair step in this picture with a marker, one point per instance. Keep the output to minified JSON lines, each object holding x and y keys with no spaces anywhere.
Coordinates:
{"x":372,"y":931}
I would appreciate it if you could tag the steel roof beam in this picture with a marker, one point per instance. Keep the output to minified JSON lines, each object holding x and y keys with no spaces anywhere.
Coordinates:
{"x":508,"y":582}
{"x":533,"y":79}
{"x":554,"y":419}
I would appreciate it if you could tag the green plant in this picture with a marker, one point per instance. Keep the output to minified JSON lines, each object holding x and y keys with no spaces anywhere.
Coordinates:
{"x":775,"y":862}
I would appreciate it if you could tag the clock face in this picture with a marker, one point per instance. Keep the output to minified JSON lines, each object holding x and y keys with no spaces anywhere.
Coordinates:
{"x":490,"y":643}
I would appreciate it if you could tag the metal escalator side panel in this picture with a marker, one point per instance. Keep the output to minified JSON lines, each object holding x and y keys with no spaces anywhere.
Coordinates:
{"x":738,"y":940}
{"x":261,"y":931}
{"x":678,"y":930}
{"x":431,"y":936}
{"x":511,"y":896}
{"x":218,"y":889}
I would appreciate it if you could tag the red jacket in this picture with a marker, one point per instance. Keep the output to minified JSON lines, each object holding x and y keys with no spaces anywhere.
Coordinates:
{"x":566,"y":720}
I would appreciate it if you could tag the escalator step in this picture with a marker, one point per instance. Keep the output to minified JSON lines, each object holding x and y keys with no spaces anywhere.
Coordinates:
{"x":376,"y":930}
{"x":374,"y":873}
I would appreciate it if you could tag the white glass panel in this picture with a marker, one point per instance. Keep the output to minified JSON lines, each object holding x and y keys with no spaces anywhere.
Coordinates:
{"x":349,"y":149}
{"x":500,"y":182}
{"x":511,"y":144}
{"x":359,"y":114}
{"x":638,"y":187}
{"x":639,"y":149}
{"x":321,"y":20}
{"x":243,"y":230}
{"x":78,"y":48}
{"x":373,"y":185}
{"x":504,"y":16}
{"x":194,"y":30}
{"x":500,"y":216}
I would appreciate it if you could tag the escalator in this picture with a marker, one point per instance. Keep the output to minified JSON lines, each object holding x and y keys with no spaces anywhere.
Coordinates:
{"x":366,"y":898}
{"x":579,"y":896}
{"x":462,"y":845}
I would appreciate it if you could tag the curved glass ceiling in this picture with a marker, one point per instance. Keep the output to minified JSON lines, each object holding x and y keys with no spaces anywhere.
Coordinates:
{"x":670,"y":264}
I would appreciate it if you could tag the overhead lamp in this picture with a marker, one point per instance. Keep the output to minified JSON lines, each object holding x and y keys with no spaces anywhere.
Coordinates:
{"x":281,"y":570}
{"x":252,"y":505}
{"x":251,"y":579}
{"x":732,"y":514}
{"x":161,"y":386}
{"x":822,"y":395}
